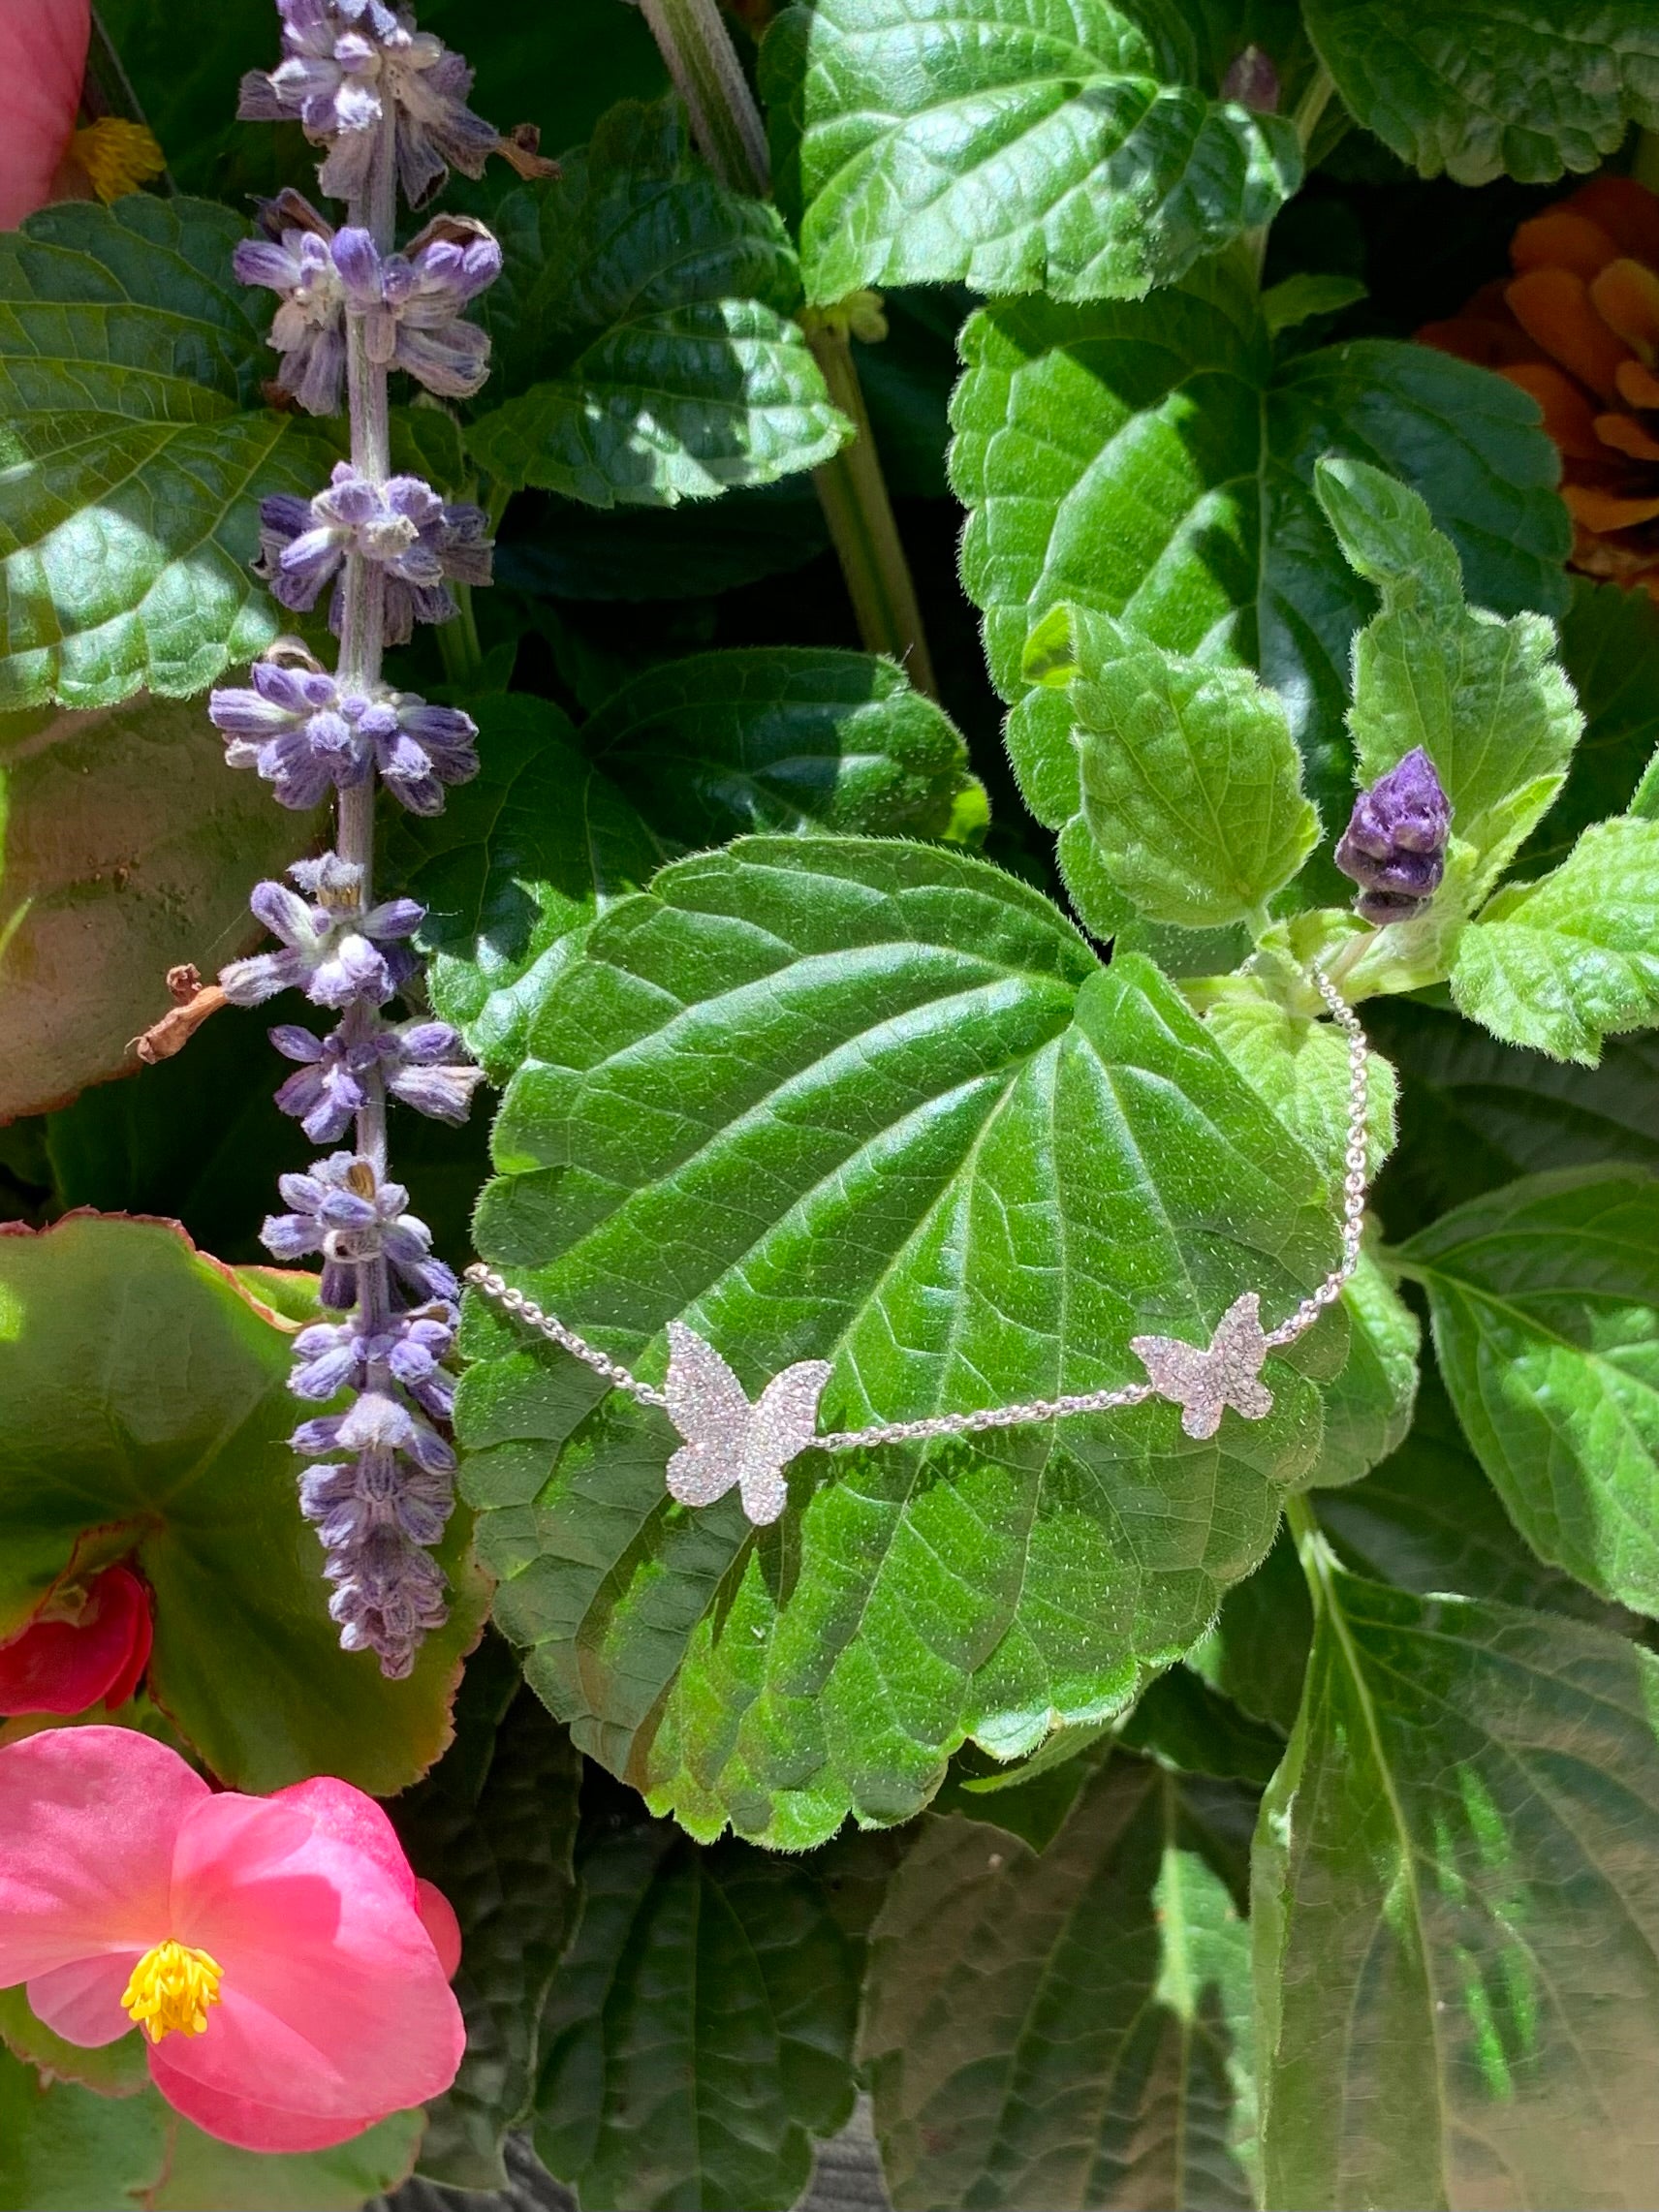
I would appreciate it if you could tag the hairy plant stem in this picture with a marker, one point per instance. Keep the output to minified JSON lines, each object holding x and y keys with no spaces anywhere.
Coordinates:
{"x":362,"y":624}
{"x":851,"y":490}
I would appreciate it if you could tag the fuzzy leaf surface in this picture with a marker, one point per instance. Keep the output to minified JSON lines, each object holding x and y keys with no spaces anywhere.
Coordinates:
{"x":1563,"y":963}
{"x":642,"y":330}
{"x":147,"y":1413}
{"x":1483,"y":88}
{"x":136,"y":452}
{"x":1055,"y":147}
{"x":699,"y":2032}
{"x":1544,"y":1299}
{"x":1455,"y":1912}
{"x":875,"y":1104}
{"x":1154,"y":460}
{"x":1070,"y":2028}
{"x":124,"y":847}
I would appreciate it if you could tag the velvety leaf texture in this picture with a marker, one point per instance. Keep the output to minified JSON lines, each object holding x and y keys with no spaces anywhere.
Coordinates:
{"x":1484,"y":88}
{"x":1155,"y":461}
{"x":1073,"y":2028}
{"x":876,"y":1104}
{"x":1545,"y":1299}
{"x":147,"y":1413}
{"x":1013,"y":146}
{"x":124,"y":847}
{"x":1456,"y":1913}
{"x":129,"y":362}
{"x":642,"y":330}
{"x":699,"y":2032}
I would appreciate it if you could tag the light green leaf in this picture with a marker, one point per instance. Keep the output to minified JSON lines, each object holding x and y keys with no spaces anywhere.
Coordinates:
{"x":494,"y":1827}
{"x":1297,"y":299}
{"x":1190,"y":782}
{"x":1544,"y":1299}
{"x":642,"y":330}
{"x":1565,"y":962}
{"x":1300,"y":1068}
{"x":1453,"y":1911}
{"x":124,"y":847}
{"x":1014,"y":148}
{"x":1073,"y":2028}
{"x":699,"y":2030}
{"x":785,"y":739}
{"x":1154,"y":461}
{"x":1484,"y":88}
{"x":1485,"y":699}
{"x":147,"y":1413}
{"x":877,"y":1104}
{"x":130,"y":364}
{"x":203,"y":2174}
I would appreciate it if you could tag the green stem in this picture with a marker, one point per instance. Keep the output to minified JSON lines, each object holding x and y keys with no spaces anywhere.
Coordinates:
{"x":1311,"y":1547}
{"x":851,"y":490}
{"x":853,"y":493}
{"x":1310,"y":109}
{"x":458,"y":646}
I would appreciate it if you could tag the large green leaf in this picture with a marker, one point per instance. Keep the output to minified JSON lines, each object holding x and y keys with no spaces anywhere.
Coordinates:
{"x":1610,"y":648}
{"x":1455,"y":1912}
{"x":873,"y":1102}
{"x":494,"y":1827}
{"x":1016,"y":147}
{"x":129,"y":364}
{"x":1544,"y":1299}
{"x":124,"y":847}
{"x":642,"y":330}
{"x":782,"y":738}
{"x":1257,"y":1652}
{"x":1155,"y":461}
{"x":699,"y":2030}
{"x":1562,"y":963}
{"x":147,"y":1413}
{"x":1073,"y":2028}
{"x":1485,"y":699}
{"x":1480,"y":88}
{"x":1188,"y":775}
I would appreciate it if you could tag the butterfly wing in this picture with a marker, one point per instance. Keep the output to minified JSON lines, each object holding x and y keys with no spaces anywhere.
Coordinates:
{"x":1240,"y":1348}
{"x":712,"y":1411}
{"x":785,"y":1423}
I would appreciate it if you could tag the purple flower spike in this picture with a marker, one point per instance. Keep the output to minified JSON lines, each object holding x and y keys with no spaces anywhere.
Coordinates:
{"x":308,"y":736}
{"x":422,"y":543}
{"x":343,"y":60}
{"x":333,"y":950}
{"x":419,"y":1063}
{"x":329,"y":1357}
{"x":411,"y":303}
{"x":342,"y":1209}
{"x":389,"y":1594}
{"x":1394,"y":844}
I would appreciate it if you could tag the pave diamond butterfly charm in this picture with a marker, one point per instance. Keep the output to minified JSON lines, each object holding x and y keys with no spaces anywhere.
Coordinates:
{"x":729,"y":1441}
{"x":1201,"y":1383}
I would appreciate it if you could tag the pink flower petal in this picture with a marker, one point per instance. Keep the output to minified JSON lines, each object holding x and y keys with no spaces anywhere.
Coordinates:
{"x":89,"y":1819}
{"x":82,"y":2003}
{"x":334,"y":1808}
{"x":43,"y":59}
{"x":438,"y":1919}
{"x":243,"y":2120}
{"x":333,"y":1999}
{"x":64,"y":1667}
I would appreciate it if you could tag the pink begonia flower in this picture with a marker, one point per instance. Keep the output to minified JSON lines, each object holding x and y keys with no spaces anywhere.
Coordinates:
{"x":43,"y":156}
{"x":290,"y":1972}
{"x":96,"y":1658}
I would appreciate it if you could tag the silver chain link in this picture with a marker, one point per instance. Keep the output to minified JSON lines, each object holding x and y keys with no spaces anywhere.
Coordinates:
{"x":501,"y":1292}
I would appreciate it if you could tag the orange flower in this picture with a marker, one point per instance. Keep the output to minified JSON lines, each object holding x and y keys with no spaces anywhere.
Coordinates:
{"x":1576,"y":326}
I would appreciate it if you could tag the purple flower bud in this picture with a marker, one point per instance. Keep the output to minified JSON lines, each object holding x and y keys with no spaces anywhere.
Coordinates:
{"x":308,"y":736}
{"x":333,"y":950}
{"x":343,"y":60}
{"x":341,"y":1209}
{"x":1252,"y":80}
{"x":1394,"y":844}
{"x":402,"y":525}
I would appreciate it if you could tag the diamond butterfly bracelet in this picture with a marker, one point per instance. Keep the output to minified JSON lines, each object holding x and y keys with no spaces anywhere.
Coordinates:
{"x":729,"y":1443}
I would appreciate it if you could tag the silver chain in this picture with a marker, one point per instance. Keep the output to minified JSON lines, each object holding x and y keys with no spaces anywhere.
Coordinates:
{"x":1032,"y":1410}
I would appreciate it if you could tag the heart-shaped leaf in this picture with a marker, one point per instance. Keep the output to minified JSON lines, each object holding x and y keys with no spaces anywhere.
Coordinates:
{"x":146,"y":1416}
{"x":1059,"y":149}
{"x":876,"y":1104}
{"x":130,"y":364}
{"x":1073,"y":2028}
{"x":642,"y":330}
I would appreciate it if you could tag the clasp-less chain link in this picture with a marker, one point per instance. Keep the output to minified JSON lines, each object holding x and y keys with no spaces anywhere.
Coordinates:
{"x":1030,"y":1411}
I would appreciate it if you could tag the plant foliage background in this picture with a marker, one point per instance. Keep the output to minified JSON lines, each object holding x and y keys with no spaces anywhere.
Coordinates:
{"x":1144,"y":1822}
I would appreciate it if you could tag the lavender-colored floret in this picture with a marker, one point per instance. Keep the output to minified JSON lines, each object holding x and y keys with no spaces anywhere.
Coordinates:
{"x":421,"y":541}
{"x":333,"y":950}
{"x":307,"y":735}
{"x":341,"y":1209}
{"x":1394,"y":844}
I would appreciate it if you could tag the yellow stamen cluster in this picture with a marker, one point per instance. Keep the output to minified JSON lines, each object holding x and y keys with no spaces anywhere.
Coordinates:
{"x":117,"y":156}
{"x":172,"y":1986}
